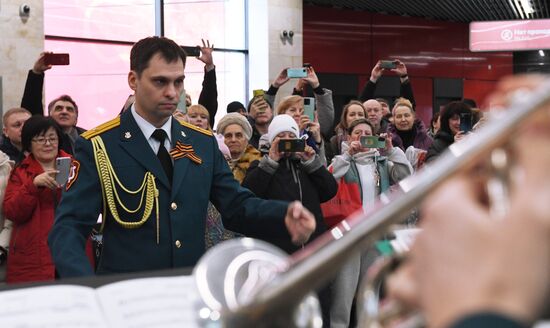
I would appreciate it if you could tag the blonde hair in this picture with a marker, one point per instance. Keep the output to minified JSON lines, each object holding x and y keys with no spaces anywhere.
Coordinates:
{"x":402,"y":102}
{"x":200,"y":109}
{"x":287,"y":102}
{"x":13,"y":111}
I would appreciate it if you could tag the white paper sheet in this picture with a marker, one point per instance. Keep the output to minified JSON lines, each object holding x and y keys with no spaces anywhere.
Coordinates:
{"x":150,"y":302}
{"x":62,"y":306}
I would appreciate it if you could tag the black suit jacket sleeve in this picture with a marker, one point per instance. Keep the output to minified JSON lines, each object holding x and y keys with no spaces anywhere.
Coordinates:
{"x":368,"y":91}
{"x":209,"y":94}
{"x":32,"y":96}
{"x":406,"y":91}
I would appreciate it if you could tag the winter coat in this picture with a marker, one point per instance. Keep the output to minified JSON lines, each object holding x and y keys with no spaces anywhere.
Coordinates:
{"x":421,"y":139}
{"x":373,"y":172}
{"x":31,"y":209}
{"x":241,"y":165}
{"x":290,"y":179}
{"x":5,"y":224}
{"x":9,"y":149}
{"x":442,"y":141}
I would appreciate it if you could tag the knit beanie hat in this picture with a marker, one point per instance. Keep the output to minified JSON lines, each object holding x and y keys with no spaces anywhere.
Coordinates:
{"x":234,"y":107}
{"x":282,"y":123}
{"x":235,"y":118}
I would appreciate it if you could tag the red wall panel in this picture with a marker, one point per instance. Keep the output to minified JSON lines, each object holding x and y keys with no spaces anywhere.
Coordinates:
{"x":423,"y":90}
{"x":337,"y":43}
{"x":345,"y":41}
{"x":478,"y":90}
{"x":429,"y":48}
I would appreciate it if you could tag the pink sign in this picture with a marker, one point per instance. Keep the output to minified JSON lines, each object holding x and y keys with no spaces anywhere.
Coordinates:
{"x":510,"y":35}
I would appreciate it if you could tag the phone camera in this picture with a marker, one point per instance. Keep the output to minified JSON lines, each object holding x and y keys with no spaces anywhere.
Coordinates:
{"x":290,"y":34}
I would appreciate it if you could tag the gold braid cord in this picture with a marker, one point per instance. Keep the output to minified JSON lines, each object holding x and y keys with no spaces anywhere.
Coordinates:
{"x":109,"y":182}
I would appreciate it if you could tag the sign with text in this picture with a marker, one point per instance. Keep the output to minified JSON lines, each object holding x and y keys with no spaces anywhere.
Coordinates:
{"x":510,"y":35}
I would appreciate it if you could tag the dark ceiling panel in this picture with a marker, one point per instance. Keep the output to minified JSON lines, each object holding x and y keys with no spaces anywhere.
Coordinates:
{"x":448,"y":10}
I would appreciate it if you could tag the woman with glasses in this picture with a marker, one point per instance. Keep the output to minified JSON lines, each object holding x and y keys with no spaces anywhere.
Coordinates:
{"x":31,"y":197}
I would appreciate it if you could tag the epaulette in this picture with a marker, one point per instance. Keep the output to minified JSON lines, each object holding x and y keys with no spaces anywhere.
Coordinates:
{"x":101,"y":128}
{"x":196,"y":128}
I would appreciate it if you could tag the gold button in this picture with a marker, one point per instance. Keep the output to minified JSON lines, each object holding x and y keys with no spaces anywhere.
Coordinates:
{"x":178,"y":243}
{"x":174,"y":206}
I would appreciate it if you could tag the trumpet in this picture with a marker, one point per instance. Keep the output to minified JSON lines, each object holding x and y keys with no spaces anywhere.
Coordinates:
{"x":272,"y":298}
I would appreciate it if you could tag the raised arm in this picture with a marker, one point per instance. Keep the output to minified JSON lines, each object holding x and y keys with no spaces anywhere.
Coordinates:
{"x":32,"y":96}
{"x":209,"y":93}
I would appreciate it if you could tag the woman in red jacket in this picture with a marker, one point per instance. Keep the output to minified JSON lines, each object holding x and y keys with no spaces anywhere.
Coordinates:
{"x":31,"y":197}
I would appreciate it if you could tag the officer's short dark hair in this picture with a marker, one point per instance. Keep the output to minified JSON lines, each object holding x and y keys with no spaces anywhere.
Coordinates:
{"x":145,"y":49}
{"x":35,"y":126}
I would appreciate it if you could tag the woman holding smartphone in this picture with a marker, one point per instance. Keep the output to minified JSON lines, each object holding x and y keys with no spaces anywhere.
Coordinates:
{"x":31,"y":197}
{"x":451,"y":129}
{"x":374,"y":170}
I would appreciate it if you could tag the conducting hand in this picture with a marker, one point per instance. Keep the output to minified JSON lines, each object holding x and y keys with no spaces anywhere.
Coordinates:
{"x":299,"y":222}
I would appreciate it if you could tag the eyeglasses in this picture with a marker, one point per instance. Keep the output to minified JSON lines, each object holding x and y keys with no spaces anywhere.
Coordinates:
{"x":43,"y":141}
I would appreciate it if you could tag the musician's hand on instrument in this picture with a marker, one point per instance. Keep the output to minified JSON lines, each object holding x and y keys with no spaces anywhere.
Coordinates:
{"x":465,"y":262}
{"x":530,"y":144}
{"x":401,"y":286}
{"x":300,"y":222}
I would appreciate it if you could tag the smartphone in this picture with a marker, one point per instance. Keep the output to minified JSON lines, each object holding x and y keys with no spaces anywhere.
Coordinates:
{"x":309,"y":108}
{"x":388,"y":64}
{"x":258,"y":93}
{"x":465,"y":122}
{"x":192,"y":51}
{"x":56,"y":59}
{"x":296,"y":72}
{"x":182,"y":103}
{"x":63,"y":165}
{"x":373,"y":142}
{"x":292,"y":145}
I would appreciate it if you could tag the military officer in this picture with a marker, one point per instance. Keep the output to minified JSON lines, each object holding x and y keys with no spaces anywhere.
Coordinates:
{"x":151,"y":177}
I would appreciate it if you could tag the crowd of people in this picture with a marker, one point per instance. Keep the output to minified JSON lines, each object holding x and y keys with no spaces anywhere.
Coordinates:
{"x":168,"y":186}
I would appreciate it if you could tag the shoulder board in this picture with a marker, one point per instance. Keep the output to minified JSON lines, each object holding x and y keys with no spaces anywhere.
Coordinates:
{"x":101,"y":128}
{"x":196,"y":128}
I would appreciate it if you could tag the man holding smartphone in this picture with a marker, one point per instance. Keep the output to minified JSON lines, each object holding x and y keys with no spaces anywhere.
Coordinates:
{"x":405,"y":90}
{"x":62,"y":109}
{"x":175,"y":165}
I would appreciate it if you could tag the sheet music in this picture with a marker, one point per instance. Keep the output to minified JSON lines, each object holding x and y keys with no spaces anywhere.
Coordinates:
{"x":150,"y":302}
{"x":51,"y":307}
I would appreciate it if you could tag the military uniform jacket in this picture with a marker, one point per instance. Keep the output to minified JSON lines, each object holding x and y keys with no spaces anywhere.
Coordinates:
{"x":182,"y":206}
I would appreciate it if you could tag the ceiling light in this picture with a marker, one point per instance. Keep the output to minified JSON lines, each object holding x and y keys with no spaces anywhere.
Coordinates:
{"x":541,"y":53}
{"x":526,"y":6}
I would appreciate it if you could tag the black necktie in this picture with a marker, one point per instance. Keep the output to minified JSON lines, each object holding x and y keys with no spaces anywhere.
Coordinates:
{"x":163,"y":155}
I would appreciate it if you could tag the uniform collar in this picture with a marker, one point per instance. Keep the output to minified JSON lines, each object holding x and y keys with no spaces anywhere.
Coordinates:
{"x":147,"y":128}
